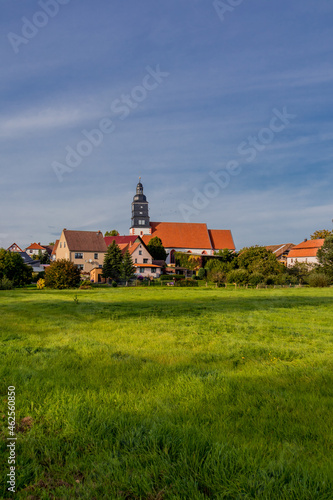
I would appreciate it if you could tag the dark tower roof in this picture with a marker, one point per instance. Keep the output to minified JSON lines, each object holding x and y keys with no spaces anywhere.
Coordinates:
{"x":139,"y":196}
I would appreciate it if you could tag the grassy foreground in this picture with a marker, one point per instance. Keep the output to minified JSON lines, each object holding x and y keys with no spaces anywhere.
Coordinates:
{"x":169,"y":393}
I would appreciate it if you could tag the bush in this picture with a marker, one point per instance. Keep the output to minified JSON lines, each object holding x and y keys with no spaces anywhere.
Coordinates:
{"x":6,"y":284}
{"x":40,"y":284}
{"x":319,"y":280}
{"x":62,"y":274}
{"x":170,"y":277}
{"x":114,"y":284}
{"x":187,"y":282}
{"x":238,"y":276}
{"x":256,"y":279}
{"x":201,"y":273}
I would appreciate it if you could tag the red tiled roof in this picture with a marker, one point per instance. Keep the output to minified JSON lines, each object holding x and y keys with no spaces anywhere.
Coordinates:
{"x":85,"y":241}
{"x":146,"y":265}
{"x":311,"y":252}
{"x":221,"y":239}
{"x":55,"y":247}
{"x":180,"y":235}
{"x":307,"y":248}
{"x":120,"y":239}
{"x":35,"y":246}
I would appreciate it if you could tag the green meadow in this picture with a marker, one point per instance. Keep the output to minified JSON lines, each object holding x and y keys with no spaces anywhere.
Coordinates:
{"x":159,"y":393}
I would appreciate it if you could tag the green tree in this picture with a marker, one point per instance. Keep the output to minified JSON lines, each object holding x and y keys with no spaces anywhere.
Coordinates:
{"x":127,"y":268}
{"x":43,"y":257}
{"x":325,"y":256}
{"x":12,"y":266}
{"x":258,"y":259}
{"x":112,"y":262}
{"x":321,"y":233}
{"x":238,"y":276}
{"x":114,"y":232}
{"x":156,"y":249}
{"x":62,"y":274}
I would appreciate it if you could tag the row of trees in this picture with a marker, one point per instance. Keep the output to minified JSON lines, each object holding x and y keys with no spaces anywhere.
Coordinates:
{"x":256,"y":265}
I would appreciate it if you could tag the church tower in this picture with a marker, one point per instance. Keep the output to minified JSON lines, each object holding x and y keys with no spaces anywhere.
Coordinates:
{"x":140,"y":214}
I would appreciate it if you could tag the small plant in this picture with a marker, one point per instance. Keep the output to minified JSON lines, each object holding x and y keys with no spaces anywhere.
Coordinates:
{"x":40,"y":284}
{"x":76,"y":300}
{"x":6,"y":284}
{"x":114,"y":284}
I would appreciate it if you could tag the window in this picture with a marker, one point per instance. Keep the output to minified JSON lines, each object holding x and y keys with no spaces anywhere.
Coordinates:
{"x":64,"y":244}
{"x":142,"y":269}
{"x":145,"y":261}
{"x":95,"y":256}
{"x":80,"y":266}
{"x":78,"y":255}
{"x":136,"y":261}
{"x":141,"y":222}
{"x":140,"y":252}
{"x":60,"y":244}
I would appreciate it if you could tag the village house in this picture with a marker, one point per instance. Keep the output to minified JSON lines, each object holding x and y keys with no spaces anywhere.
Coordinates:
{"x":305,"y":252}
{"x":281,"y":252}
{"x":142,"y":260}
{"x":86,"y":249}
{"x":35,"y":248}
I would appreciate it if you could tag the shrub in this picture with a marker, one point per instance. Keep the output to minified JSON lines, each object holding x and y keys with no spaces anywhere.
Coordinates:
{"x":62,"y":274}
{"x":319,"y":280}
{"x":40,"y":284}
{"x":170,"y":277}
{"x":256,"y":279}
{"x":187,"y":282}
{"x":6,"y":284}
{"x":114,"y":284}
{"x":270,"y":280}
{"x":239,"y":276}
{"x":201,"y":273}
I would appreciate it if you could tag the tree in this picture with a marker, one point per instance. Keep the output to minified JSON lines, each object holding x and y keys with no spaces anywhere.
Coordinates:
{"x":321,"y":233}
{"x":258,"y":259}
{"x":127,"y":268}
{"x":114,"y":232}
{"x":43,"y":257}
{"x":112,"y":262}
{"x":325,"y":256}
{"x":62,"y":274}
{"x":156,"y":249}
{"x":12,"y":267}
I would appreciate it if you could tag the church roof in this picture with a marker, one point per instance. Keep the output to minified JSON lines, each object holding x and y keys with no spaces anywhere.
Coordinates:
{"x":221,"y":239}
{"x":190,"y":235}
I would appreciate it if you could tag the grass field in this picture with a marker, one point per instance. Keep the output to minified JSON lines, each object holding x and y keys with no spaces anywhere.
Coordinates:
{"x":169,"y":393}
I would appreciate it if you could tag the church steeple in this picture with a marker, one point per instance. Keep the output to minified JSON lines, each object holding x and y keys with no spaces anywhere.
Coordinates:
{"x":140,"y":213}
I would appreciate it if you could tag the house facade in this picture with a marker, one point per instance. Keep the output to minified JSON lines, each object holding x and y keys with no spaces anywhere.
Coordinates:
{"x":281,"y":252}
{"x":305,"y":252}
{"x":86,"y":249}
{"x":34,"y":249}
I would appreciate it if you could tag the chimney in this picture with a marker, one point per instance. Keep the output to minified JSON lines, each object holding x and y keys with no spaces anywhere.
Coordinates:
{"x":305,"y":239}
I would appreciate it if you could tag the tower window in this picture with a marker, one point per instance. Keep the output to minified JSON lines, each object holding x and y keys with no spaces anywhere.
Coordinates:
{"x":141,"y":222}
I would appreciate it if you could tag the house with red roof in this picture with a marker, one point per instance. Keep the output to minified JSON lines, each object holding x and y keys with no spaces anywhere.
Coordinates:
{"x":14,"y":248}
{"x":35,"y":248}
{"x":305,"y":252}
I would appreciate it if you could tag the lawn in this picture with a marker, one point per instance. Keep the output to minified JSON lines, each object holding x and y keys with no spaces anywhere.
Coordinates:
{"x":158,"y":393}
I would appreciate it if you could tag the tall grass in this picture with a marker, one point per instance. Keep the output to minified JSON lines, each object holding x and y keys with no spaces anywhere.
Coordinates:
{"x":169,"y":393}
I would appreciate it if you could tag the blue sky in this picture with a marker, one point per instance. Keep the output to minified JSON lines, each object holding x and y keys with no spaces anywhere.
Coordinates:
{"x":178,"y":90}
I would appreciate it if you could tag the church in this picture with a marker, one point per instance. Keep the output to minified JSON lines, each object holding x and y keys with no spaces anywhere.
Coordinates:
{"x":185,"y":237}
